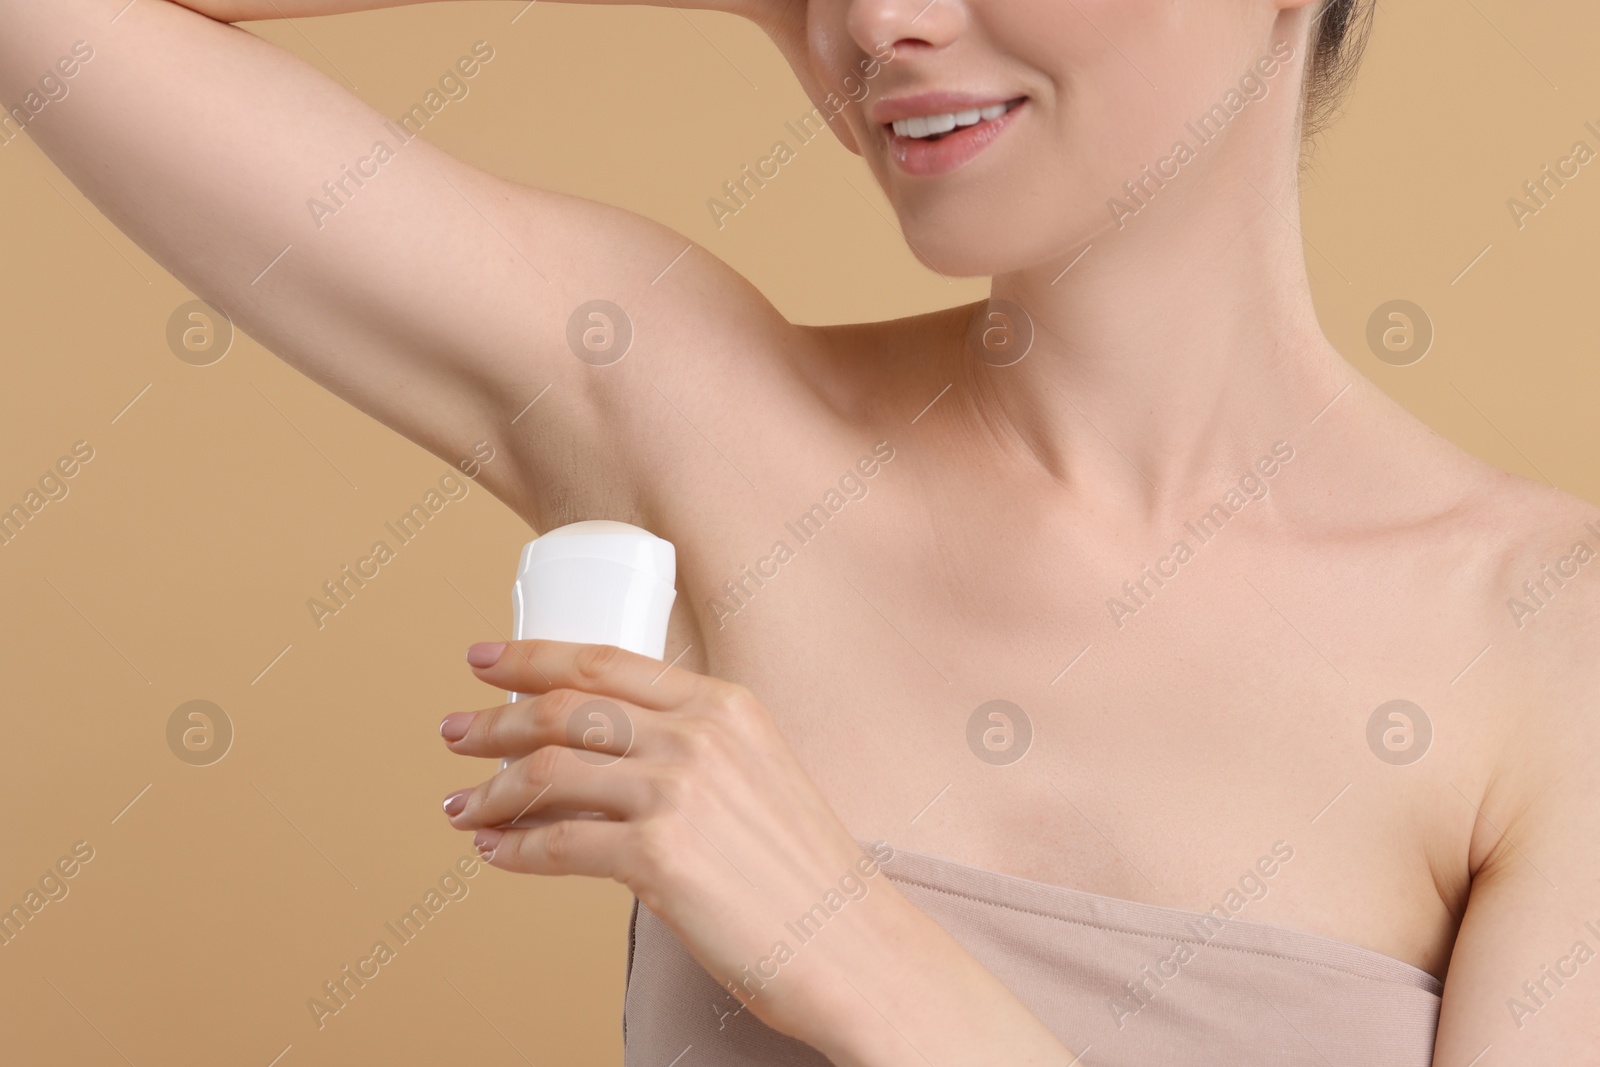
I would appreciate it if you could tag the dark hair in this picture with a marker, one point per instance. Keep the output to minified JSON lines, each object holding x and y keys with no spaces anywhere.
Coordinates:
{"x":1337,"y":40}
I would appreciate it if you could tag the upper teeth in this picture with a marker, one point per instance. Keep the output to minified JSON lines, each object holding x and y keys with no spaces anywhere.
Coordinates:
{"x":926,"y":125}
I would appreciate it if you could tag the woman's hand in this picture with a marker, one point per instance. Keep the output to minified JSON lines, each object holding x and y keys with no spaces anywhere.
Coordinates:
{"x":708,"y":818}
{"x":706,"y":815}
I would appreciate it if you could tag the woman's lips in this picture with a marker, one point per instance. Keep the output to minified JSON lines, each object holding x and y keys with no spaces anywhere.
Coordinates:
{"x":924,"y":158}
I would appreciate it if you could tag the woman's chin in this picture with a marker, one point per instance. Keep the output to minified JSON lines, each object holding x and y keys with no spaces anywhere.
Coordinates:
{"x":957,"y":250}
{"x":987,"y":252}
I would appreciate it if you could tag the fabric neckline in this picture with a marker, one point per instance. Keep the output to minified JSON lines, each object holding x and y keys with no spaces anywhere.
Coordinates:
{"x":1154,"y":921}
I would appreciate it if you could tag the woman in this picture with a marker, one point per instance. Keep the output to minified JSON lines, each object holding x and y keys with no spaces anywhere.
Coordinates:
{"x":1103,"y":674}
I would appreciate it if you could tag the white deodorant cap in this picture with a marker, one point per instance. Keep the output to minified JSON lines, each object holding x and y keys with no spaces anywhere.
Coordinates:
{"x":597,"y":582}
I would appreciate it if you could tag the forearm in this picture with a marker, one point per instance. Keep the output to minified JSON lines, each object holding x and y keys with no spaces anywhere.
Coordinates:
{"x":236,"y":166}
{"x":251,"y":10}
{"x":904,"y":993}
{"x":151,"y":131}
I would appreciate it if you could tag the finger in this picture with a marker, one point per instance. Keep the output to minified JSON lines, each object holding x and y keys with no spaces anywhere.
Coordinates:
{"x":560,"y":717}
{"x":537,"y":666}
{"x":589,"y":847}
{"x":551,"y":777}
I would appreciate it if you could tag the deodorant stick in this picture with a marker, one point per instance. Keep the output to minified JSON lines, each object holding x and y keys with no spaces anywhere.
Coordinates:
{"x":596,"y":582}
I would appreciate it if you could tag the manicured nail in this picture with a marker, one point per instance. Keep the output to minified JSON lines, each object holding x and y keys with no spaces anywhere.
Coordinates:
{"x":456,"y":803}
{"x":454,"y":727}
{"x":485,"y":653}
{"x":486,"y":841}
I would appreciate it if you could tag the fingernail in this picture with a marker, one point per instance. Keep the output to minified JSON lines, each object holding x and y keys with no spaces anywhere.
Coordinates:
{"x":456,"y":803}
{"x":485,"y":653}
{"x":454,"y":727}
{"x":486,"y":841}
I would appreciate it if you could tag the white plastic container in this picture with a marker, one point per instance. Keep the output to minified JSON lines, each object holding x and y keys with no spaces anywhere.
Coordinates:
{"x":597,"y":582}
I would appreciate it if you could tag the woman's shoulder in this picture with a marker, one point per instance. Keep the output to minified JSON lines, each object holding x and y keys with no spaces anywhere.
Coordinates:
{"x":1538,"y":675}
{"x":1513,"y":566}
{"x":1503,"y":561}
{"x":1540,"y":694}
{"x":1413,"y":483}
{"x":1550,"y":574}
{"x":1541,"y":547}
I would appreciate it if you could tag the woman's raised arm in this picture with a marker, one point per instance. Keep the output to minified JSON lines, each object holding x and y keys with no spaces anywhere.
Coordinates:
{"x":250,"y":10}
{"x":435,"y":297}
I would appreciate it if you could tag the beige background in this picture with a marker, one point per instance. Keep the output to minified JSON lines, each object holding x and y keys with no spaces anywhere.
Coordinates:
{"x":179,"y":565}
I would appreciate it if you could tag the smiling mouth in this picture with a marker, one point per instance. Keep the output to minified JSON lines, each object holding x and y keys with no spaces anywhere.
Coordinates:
{"x":938,"y":127}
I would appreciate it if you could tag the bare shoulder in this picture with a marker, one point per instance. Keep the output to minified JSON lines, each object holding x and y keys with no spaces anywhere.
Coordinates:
{"x":1548,"y":585}
{"x":1550,"y":561}
{"x":1476,"y":534}
{"x":1539,"y":689}
{"x":1484,"y":586}
{"x":1528,"y":555}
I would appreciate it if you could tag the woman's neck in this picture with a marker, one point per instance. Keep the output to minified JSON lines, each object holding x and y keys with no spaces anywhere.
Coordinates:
{"x":1175,"y":351}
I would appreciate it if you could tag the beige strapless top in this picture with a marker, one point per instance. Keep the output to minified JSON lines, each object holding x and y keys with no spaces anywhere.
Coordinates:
{"x":1120,"y":983}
